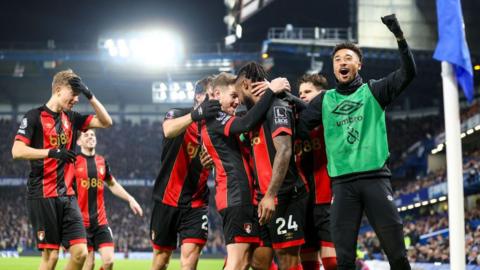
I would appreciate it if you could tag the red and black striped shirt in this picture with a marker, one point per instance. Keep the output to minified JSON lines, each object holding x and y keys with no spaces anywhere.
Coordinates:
{"x":278,"y":121}
{"x":91,"y":175}
{"x":182,"y":180}
{"x":42,"y":128}
{"x":233,"y":175}
{"x":311,"y":162}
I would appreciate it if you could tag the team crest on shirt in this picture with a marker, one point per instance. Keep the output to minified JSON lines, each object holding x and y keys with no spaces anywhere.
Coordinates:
{"x":247,"y":227}
{"x":101,"y":170}
{"x":41,"y":235}
{"x":223,"y":117}
{"x":66,"y":125}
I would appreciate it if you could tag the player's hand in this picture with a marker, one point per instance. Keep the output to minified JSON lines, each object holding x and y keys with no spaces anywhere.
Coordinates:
{"x":392,"y":23}
{"x":78,"y":86}
{"x":259,"y":88}
{"x":266,"y":209}
{"x":279,"y":85}
{"x":206,"y":110}
{"x":62,"y":154}
{"x":136,"y":209}
{"x":205,"y":159}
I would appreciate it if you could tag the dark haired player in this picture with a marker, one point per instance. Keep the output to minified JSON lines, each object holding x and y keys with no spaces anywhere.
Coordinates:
{"x":353,"y":116}
{"x":92,"y":174}
{"x":280,"y":192}
{"x":180,"y":192}
{"x":234,"y":179}
{"x":312,"y":165}
{"x":47,"y":138}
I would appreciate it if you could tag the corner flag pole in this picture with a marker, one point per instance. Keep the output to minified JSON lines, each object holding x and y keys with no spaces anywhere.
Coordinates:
{"x":454,"y":168}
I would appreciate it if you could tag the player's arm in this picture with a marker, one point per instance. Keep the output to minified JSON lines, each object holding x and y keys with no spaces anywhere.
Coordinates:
{"x":120,"y":192}
{"x":257,"y":112}
{"x":22,"y":151}
{"x":102,"y":118}
{"x":388,"y":88}
{"x":176,"y":126}
{"x":283,"y":147}
{"x":311,"y":117}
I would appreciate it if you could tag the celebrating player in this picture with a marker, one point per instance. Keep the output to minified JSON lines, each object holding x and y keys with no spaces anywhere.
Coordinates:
{"x":279,"y":190}
{"x":92,"y":172}
{"x":353,"y":116}
{"x":312,"y":165}
{"x":47,"y":138}
{"x":180,"y":192}
{"x":234,"y":180}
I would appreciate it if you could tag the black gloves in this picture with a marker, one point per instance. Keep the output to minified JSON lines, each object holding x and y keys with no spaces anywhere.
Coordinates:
{"x":62,"y":154}
{"x":392,"y":23}
{"x":207,"y":109}
{"x":78,"y":86}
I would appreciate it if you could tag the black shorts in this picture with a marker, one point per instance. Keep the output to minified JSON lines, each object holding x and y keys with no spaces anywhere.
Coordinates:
{"x":191,"y":225}
{"x":56,"y":221}
{"x":286,"y":228}
{"x":98,"y":237}
{"x":240,"y":224}
{"x":317,"y":227}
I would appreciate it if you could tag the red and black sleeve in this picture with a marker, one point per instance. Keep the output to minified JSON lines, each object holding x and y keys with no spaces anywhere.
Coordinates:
{"x":81,"y":121}
{"x":281,"y":120}
{"x":27,"y":127}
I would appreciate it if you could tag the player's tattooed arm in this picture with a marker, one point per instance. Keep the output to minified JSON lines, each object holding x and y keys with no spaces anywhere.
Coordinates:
{"x":283,"y":147}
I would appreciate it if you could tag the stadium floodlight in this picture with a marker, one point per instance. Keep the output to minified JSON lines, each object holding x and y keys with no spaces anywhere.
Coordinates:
{"x":238,"y":31}
{"x":477,"y":128}
{"x":432,"y":201}
{"x":443,"y":198}
{"x":153,"y":48}
{"x":470,"y":131}
{"x":463,"y":135}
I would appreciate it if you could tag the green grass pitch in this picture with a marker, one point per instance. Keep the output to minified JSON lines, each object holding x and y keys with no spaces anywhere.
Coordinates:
{"x":31,"y":263}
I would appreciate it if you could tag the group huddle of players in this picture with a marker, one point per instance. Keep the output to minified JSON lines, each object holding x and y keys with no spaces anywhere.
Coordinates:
{"x":293,"y":175}
{"x":265,"y":176}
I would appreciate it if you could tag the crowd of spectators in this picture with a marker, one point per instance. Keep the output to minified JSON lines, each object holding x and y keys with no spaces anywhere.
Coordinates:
{"x":131,"y":232}
{"x":432,"y":249}
{"x":471,"y":175}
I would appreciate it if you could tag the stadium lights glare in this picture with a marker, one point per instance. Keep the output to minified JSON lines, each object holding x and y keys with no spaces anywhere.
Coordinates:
{"x":417,"y":205}
{"x":404,"y":208}
{"x":477,"y":128}
{"x":463,"y":135}
{"x":156,"y":48}
{"x":443,"y":198}
{"x":470,"y":131}
{"x":432,"y":201}
{"x":410,"y":207}
{"x":425,"y":203}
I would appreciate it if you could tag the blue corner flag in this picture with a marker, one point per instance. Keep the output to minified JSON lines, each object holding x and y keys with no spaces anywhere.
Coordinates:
{"x":452,"y":44}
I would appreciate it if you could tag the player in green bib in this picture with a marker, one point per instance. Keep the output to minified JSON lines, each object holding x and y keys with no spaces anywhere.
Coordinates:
{"x":353,"y":116}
